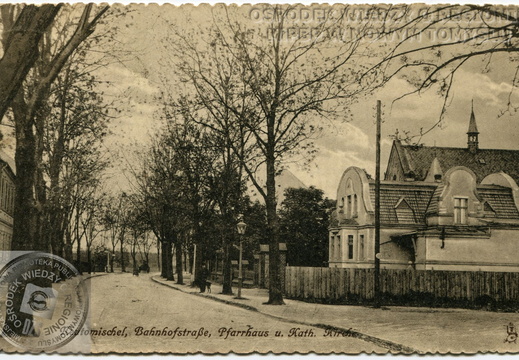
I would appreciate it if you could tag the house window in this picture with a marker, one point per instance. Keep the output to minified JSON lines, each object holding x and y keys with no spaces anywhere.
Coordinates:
{"x":338,"y":256}
{"x":361,"y":247}
{"x":460,"y":210}
{"x":341,"y":204}
{"x":350,"y":247}
{"x":348,"y":211}
{"x":355,"y":206}
{"x":332,"y":248}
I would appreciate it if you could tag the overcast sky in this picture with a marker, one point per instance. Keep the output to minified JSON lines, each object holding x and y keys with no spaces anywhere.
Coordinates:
{"x":343,"y":143}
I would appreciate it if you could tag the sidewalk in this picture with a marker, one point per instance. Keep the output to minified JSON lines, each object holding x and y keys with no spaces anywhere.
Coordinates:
{"x":426,"y":330}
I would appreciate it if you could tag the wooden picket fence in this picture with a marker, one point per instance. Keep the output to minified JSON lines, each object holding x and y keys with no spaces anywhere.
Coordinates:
{"x":336,"y":285}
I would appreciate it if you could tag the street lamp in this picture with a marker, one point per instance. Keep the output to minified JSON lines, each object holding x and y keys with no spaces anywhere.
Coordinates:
{"x":107,"y":267}
{"x":241,"y":226}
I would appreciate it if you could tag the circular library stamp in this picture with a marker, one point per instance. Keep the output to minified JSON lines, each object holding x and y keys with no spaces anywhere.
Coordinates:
{"x":44,"y":302}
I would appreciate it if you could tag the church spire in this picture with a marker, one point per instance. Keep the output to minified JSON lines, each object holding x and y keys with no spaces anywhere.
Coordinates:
{"x":473,"y":132}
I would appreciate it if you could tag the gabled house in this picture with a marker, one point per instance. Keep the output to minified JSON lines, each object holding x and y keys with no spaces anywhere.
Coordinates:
{"x":441,"y":209}
{"x":7,"y":193}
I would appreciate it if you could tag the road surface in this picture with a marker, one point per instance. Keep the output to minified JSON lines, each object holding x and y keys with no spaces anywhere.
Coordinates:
{"x":153,"y":318}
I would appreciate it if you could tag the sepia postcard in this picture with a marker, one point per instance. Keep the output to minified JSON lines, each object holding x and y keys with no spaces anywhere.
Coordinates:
{"x":259,"y":178}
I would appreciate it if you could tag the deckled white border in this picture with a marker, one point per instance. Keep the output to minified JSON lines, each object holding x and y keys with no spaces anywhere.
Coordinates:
{"x":270,"y":356}
{"x":241,"y":2}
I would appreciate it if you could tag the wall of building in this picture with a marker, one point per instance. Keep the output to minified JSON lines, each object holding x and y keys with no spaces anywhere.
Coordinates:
{"x":392,"y":254}
{"x":362,"y":246}
{"x":351,"y":245}
{"x":7,"y":194}
{"x":495,"y":253}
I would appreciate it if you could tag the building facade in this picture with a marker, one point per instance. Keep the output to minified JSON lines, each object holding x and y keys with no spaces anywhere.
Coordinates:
{"x":7,"y":193}
{"x":440,"y":208}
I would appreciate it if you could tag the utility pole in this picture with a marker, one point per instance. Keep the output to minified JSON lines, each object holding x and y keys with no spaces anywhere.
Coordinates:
{"x":376,"y":276}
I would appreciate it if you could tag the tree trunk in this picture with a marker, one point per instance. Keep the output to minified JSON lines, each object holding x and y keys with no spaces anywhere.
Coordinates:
{"x":55,"y":215}
{"x":112,"y":255}
{"x":68,"y":245}
{"x":275,"y":290}
{"x":89,"y":258}
{"x":25,"y":224}
{"x":227,"y":269}
{"x":123,"y":268}
{"x":78,"y":256}
{"x":199,"y":260}
{"x":178,"y":257}
{"x":158,"y":254}
{"x":169,"y":262}
{"x":163,"y":272}
{"x":134,"y":253}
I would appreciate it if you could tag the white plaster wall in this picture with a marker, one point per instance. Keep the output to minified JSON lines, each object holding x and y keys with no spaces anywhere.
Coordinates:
{"x":497,"y":253}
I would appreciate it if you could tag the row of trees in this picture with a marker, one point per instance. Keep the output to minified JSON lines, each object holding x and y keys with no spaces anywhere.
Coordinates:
{"x":49,"y":97}
{"x":190,"y":192}
{"x":256,"y":97}
{"x":188,"y":196}
{"x":59,"y":120}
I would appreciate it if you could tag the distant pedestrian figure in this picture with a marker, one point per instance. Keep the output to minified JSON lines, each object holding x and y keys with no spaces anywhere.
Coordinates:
{"x":204,"y":275}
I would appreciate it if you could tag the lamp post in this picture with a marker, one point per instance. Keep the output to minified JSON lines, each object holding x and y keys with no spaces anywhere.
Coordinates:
{"x":241,"y":226}
{"x":107,"y":267}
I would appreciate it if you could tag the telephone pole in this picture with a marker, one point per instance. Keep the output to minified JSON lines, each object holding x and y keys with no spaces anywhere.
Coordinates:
{"x":376,"y":275}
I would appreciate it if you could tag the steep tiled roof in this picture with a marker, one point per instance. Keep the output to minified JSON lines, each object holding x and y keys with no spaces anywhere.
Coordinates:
{"x":423,"y":199}
{"x":484,"y":162}
{"x":433,"y":204}
{"x":501,"y":201}
{"x":416,"y":196}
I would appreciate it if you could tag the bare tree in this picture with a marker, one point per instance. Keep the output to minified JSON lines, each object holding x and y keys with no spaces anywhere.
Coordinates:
{"x":157,"y":183}
{"x":112,"y":221}
{"x":273,"y":86}
{"x":74,"y":129}
{"x":91,"y":222}
{"x":435,"y":42}
{"x":20,"y":39}
{"x":145,"y":246}
{"x":29,"y":112}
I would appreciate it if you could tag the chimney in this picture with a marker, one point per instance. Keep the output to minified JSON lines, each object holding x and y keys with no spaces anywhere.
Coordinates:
{"x":473,"y":133}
